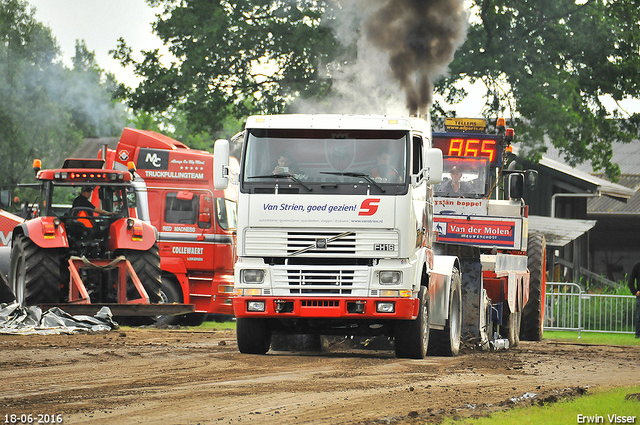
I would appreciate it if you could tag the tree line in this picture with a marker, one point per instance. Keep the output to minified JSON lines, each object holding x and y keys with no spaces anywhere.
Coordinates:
{"x":546,"y":65}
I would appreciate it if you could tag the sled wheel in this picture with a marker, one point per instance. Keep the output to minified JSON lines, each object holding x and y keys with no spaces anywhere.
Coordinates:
{"x":512,"y":327}
{"x":533,"y":313}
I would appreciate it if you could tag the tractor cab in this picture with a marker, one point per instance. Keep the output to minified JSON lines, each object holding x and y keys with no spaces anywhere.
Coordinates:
{"x":96,"y":198}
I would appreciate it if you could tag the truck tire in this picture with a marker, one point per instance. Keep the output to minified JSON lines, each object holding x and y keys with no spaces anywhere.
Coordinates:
{"x":533,"y":313}
{"x":147,"y":266}
{"x":170,"y":293}
{"x":253,"y":335}
{"x":34,"y":273}
{"x":447,"y":341}
{"x":412,"y":336}
{"x":193,"y":319}
{"x":297,"y":342}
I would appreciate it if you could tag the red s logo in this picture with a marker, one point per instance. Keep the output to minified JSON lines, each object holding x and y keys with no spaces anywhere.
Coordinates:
{"x":369,"y":207}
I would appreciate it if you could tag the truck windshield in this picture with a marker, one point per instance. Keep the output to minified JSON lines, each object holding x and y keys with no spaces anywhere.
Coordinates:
{"x":465,"y":177}
{"x":337,"y":161}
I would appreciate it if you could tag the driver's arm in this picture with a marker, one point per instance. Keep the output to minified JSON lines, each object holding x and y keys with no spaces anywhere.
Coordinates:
{"x":102,"y":212}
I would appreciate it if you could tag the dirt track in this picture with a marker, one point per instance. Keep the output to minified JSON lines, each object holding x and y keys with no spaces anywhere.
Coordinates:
{"x":190,"y":377}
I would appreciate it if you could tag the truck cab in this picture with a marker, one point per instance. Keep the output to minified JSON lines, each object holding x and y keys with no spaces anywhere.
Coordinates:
{"x":481,"y":217}
{"x":196,"y":224}
{"x":335,"y":232}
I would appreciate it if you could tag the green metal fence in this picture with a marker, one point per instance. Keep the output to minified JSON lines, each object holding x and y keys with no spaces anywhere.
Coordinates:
{"x":569,"y":308}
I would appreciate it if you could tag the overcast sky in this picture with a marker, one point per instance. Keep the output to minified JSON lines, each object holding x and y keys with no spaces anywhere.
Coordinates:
{"x":100,"y":23}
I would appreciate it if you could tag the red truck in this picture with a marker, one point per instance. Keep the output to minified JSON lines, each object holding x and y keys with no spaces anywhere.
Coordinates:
{"x":196,"y":224}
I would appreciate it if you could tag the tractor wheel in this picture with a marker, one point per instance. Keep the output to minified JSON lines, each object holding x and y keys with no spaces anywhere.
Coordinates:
{"x":6,"y":295}
{"x":412,"y":336}
{"x":170,"y":293}
{"x":253,"y":335}
{"x":533,"y":313}
{"x":147,"y":266}
{"x":511,"y":328}
{"x":34,"y":273}
{"x":447,"y":341}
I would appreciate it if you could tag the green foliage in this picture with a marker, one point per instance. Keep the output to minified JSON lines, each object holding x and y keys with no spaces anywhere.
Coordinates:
{"x":548,"y":64}
{"x":233,"y":59}
{"x":46,"y":109}
{"x":174,"y":124}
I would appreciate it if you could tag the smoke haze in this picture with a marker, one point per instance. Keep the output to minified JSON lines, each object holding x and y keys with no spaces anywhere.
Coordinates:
{"x":402,"y":47}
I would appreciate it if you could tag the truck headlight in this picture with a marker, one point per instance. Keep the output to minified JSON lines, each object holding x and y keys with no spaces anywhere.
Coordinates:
{"x":386,"y":307}
{"x":388,"y":277}
{"x":255,"y":306}
{"x":252,"y":276}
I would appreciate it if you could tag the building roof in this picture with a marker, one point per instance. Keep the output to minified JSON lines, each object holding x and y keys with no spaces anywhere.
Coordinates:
{"x":559,"y":231}
{"x":605,"y":187}
{"x":606,"y":205}
{"x":626,"y":155}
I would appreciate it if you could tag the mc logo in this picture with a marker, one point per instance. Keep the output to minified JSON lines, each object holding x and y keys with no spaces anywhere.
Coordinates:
{"x":369,"y":207}
{"x":154,"y":159}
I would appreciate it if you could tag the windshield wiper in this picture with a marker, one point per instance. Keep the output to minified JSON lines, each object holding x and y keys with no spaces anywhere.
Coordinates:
{"x":282,"y":176}
{"x":365,"y":176}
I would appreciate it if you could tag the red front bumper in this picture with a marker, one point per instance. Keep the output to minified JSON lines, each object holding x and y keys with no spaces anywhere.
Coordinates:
{"x":327,"y":307}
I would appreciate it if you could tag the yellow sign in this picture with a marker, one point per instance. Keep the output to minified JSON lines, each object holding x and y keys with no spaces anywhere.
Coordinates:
{"x":465,"y":124}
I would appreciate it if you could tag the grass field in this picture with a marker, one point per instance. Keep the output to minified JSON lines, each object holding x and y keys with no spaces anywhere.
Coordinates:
{"x":598,"y":407}
{"x":593,"y":338}
{"x":218,"y":325}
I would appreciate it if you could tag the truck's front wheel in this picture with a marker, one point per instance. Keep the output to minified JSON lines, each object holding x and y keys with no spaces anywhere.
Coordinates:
{"x":412,"y":336}
{"x":253,"y":336}
{"x":171,"y":293}
{"x":447,"y":341}
{"x":34,"y":273}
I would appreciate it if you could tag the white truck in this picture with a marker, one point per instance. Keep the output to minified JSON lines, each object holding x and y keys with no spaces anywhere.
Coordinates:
{"x":336,"y":235}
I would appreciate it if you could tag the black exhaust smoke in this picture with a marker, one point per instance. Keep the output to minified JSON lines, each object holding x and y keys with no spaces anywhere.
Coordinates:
{"x":421,"y":37}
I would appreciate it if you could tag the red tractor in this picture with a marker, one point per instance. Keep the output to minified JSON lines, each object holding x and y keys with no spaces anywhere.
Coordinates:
{"x":93,"y":254}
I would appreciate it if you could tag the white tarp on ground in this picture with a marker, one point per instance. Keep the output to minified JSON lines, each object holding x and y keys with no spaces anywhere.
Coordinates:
{"x":32,"y":321}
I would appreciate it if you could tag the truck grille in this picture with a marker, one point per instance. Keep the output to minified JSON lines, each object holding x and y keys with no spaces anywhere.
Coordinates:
{"x":314,"y":280}
{"x":285,"y":242}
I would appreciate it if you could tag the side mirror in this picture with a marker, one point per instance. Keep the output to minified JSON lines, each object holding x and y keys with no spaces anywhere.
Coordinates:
{"x":515,"y":186}
{"x":6,"y":199}
{"x":530,"y":178}
{"x":221,"y":164}
{"x":204,"y":213}
{"x":184,"y":195}
{"x":434,"y":164}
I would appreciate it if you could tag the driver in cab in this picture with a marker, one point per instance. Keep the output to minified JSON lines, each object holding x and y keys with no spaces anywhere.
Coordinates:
{"x":82,"y":201}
